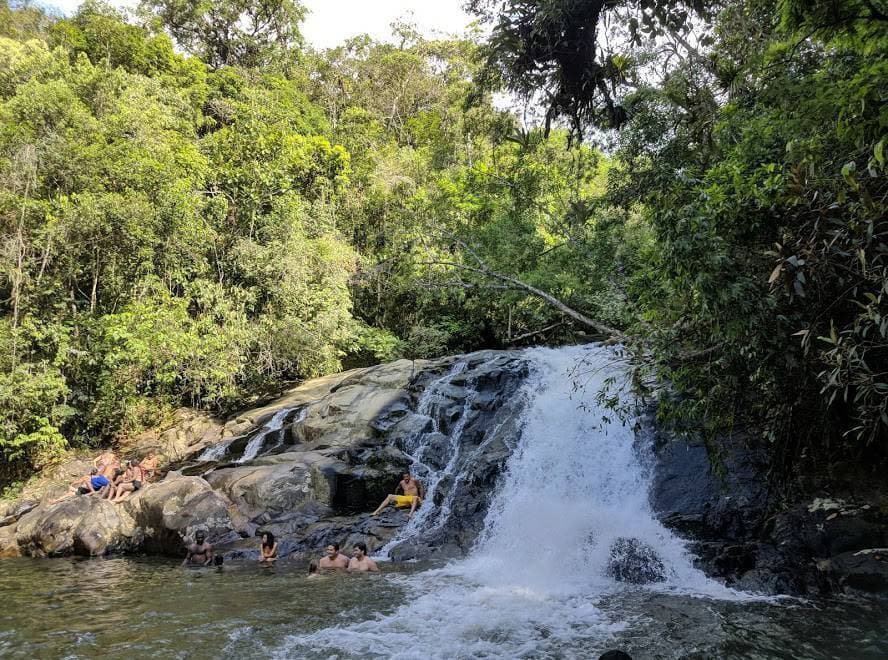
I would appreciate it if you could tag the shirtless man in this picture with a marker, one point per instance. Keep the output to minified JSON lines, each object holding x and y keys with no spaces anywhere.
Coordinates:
{"x":413,"y":492}
{"x":333,"y":559}
{"x":106,"y":464}
{"x":200,"y":553}
{"x":360,"y":561}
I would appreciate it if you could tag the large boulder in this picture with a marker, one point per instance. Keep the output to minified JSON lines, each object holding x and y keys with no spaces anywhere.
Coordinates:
{"x":168,"y":514}
{"x":83,"y":525}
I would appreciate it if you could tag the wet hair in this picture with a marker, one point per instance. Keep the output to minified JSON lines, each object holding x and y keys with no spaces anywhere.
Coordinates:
{"x":362,"y":546}
{"x":268,"y":540}
{"x":312,"y":567}
{"x":335,"y":546}
{"x":94,"y":471}
{"x":200,"y":534}
{"x":134,"y":462}
{"x":615,"y":655}
{"x":118,"y":471}
{"x":218,"y":560}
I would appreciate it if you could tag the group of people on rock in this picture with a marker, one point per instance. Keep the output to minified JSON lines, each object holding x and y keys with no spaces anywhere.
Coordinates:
{"x":200,"y":553}
{"x":112,"y":480}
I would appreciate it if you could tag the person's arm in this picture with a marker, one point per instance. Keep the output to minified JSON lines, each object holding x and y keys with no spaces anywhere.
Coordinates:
{"x":209,"y":555}
{"x":274,"y":551}
{"x":372,"y":565}
{"x":187,"y":555}
{"x":401,"y":487}
{"x":350,"y":562}
{"x":421,"y":489}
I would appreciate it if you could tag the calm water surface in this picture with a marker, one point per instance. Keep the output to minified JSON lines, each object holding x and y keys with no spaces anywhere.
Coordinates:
{"x":146,"y":607}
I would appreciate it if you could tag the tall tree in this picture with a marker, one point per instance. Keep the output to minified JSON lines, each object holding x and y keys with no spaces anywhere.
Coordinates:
{"x":251,"y":33}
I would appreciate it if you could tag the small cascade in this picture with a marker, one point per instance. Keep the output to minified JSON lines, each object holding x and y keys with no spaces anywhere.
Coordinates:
{"x":272,"y":428}
{"x":216,"y":452}
{"x":426,"y":450}
{"x":263,"y":440}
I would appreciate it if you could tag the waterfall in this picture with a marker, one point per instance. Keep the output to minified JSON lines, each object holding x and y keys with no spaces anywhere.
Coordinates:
{"x":272,"y":426}
{"x":256,"y":446}
{"x":575,"y":488}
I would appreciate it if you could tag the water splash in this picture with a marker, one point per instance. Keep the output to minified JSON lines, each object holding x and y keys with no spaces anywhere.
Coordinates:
{"x":532,"y":586}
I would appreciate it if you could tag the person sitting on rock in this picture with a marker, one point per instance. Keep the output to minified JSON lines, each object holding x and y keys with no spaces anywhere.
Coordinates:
{"x":106,"y":464}
{"x":360,"y":562}
{"x":116,"y":478}
{"x":87,"y":485}
{"x":149,"y":466}
{"x":268,"y":551}
{"x":333,"y":559}
{"x":200,"y":553}
{"x":131,"y":482}
{"x":413,"y":493}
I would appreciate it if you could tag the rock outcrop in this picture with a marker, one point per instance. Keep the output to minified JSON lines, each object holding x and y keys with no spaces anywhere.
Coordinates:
{"x":740,"y":532}
{"x":307,"y":467}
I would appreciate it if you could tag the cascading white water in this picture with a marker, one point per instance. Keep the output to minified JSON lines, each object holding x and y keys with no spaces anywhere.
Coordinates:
{"x":215,"y":452}
{"x":274,"y":425}
{"x":257,"y":441}
{"x":429,"y":518}
{"x":533,"y":584}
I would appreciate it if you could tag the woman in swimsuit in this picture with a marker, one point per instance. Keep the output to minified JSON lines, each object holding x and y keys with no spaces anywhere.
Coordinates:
{"x":132,"y":482}
{"x":268,"y":552}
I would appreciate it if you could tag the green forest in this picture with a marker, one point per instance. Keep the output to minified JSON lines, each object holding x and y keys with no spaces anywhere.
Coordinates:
{"x":197,"y":208}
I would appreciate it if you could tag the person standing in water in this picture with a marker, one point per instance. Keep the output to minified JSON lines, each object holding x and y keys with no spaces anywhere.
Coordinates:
{"x":200,"y":553}
{"x":268,"y":551}
{"x":413,"y":493}
{"x":360,"y":562}
{"x":333,"y":559}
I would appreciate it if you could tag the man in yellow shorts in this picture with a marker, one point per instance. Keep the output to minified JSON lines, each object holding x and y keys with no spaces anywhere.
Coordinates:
{"x":413,"y":493}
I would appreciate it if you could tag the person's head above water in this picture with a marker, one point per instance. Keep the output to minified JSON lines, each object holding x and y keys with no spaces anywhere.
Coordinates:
{"x":268,"y":539}
{"x":360,"y":549}
{"x":332,"y":550}
{"x":199,"y":537}
{"x":407,"y":476}
{"x":94,"y":471}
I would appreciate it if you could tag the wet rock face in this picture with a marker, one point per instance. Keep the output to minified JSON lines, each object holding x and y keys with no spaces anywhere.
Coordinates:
{"x":635,"y":562}
{"x":740,"y":533}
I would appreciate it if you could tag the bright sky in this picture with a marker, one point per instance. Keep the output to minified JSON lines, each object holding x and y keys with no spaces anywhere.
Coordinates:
{"x":330,"y":22}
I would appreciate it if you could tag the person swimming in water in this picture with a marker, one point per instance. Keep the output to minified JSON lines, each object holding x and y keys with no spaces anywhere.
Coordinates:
{"x":333,"y":558}
{"x":413,"y":494}
{"x":268,"y":551}
{"x":200,"y":553}
{"x":360,"y":562}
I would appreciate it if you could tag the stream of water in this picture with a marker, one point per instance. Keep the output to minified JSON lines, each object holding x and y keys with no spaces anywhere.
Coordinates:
{"x":536,"y":585}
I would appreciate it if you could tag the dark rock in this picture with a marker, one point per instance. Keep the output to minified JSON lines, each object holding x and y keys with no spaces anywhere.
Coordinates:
{"x":866,"y":570}
{"x":634,"y":561}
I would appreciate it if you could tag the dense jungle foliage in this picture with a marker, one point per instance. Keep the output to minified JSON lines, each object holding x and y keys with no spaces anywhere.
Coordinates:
{"x":197,"y":207}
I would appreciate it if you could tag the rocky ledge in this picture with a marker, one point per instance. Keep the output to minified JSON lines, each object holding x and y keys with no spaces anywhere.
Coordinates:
{"x":741,"y":532}
{"x":308,"y":467}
